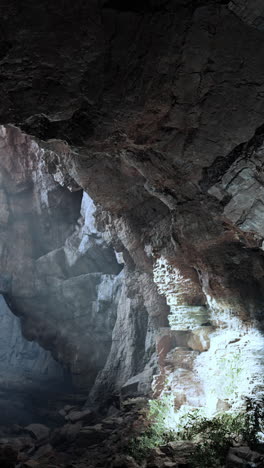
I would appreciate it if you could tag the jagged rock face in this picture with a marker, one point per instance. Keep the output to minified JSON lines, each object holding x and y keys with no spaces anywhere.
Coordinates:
{"x":25,"y":369}
{"x":21,"y":360}
{"x":58,"y":274}
{"x":152,"y":135}
{"x":62,"y":278}
{"x":156,"y":111}
{"x":252,"y":13}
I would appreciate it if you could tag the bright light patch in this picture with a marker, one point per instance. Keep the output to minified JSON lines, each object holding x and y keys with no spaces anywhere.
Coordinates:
{"x":227,"y":373}
{"x":231,"y":369}
{"x":175,"y":287}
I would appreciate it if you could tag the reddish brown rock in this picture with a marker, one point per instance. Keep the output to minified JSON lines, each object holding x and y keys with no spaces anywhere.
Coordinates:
{"x":199,"y":339}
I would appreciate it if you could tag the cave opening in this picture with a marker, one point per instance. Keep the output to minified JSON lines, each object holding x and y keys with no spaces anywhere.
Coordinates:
{"x":131,"y":234}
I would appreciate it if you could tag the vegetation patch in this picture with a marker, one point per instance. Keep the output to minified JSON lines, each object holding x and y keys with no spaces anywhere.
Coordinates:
{"x":212,"y":437}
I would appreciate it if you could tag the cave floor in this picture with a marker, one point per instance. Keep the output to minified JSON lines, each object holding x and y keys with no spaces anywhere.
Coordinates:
{"x":85,"y":439}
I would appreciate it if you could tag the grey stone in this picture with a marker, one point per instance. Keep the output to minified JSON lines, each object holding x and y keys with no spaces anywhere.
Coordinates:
{"x":84,"y":416}
{"x":244,"y":456}
{"x":38,"y":431}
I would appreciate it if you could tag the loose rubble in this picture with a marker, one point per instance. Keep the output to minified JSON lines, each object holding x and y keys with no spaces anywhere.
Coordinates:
{"x":101,"y":441}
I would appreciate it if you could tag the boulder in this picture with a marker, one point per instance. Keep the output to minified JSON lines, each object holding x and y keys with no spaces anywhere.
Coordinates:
{"x":179,"y":451}
{"x":244,"y":457}
{"x":124,"y":461}
{"x":170,"y":464}
{"x":112,"y":422}
{"x":38,"y":431}
{"x":43,"y":451}
{"x":91,"y":435}
{"x":157,"y":458}
{"x":68,"y":408}
{"x":74,"y":416}
{"x":30,"y":464}
{"x":66,"y":433}
{"x":199,"y":339}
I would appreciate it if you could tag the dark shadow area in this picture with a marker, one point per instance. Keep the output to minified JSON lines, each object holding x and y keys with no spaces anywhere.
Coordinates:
{"x":136,"y":5}
{"x":33,"y":386}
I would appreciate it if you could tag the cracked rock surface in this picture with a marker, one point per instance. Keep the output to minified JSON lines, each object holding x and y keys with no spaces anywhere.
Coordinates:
{"x":146,"y":118}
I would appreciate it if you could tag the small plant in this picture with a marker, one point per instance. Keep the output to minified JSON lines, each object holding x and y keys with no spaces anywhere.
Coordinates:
{"x":212,"y":437}
{"x":155,"y":432}
{"x":216,"y":436}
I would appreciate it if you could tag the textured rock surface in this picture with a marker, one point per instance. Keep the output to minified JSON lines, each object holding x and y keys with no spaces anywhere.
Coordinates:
{"x":21,"y":359}
{"x":250,"y":12}
{"x":25,"y":369}
{"x":61,"y":275}
{"x":155,"y":109}
{"x":104,"y":442}
{"x":63,"y":279}
{"x":163,"y":136}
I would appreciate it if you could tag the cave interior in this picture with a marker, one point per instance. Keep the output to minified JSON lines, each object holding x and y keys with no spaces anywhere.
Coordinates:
{"x":132,"y":234}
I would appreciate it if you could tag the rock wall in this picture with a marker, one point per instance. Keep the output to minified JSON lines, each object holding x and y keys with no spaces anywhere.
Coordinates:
{"x":252,"y":13}
{"x":63,"y":279}
{"x":26,"y":370}
{"x":154,"y":109}
{"x":58,"y":275}
{"x":21,"y":360}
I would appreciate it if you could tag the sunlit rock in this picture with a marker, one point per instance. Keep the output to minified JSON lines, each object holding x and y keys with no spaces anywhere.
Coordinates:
{"x":199,"y":339}
{"x":183,"y":295}
{"x":181,"y":358}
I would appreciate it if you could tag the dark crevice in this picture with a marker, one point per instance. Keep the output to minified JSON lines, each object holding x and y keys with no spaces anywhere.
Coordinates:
{"x":5,"y":47}
{"x":75,"y":130}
